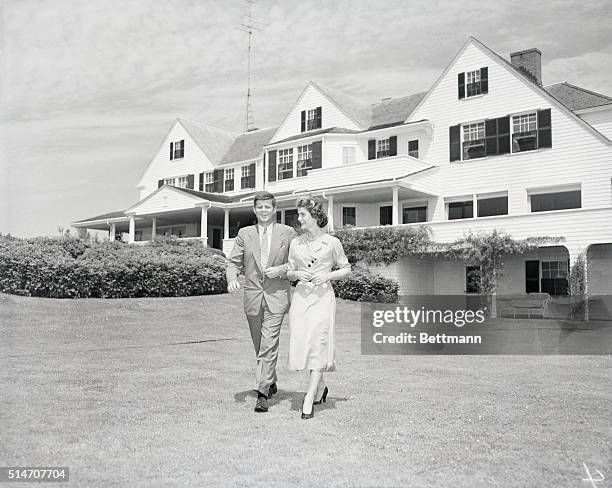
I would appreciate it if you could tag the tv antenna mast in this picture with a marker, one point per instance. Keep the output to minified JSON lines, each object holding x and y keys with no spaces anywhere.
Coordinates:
{"x":249,"y":26}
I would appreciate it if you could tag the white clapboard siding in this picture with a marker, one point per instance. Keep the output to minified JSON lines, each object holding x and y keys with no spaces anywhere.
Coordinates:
{"x":167,"y":199}
{"x":312,"y":98}
{"x":160,"y":167}
{"x":577,"y":155}
{"x":377,"y":169}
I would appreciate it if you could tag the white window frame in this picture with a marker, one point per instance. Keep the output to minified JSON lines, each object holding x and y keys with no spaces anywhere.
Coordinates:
{"x":408,"y":148}
{"x":347,"y":157}
{"x":169,"y":181}
{"x":285,"y":158}
{"x":473,"y":128}
{"x":182,"y":181}
{"x":522,"y":124}
{"x":229,"y":173}
{"x":311,"y":116}
{"x":210,"y":177}
{"x":304,"y":153}
{"x":245,"y":173}
{"x":383,"y":146}
{"x":175,"y":151}
{"x":472,"y":78}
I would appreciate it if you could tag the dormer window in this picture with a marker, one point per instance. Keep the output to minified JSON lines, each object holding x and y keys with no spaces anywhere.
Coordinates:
{"x":473,"y":83}
{"x":312,"y":119}
{"x":382,"y":148}
{"x":304,"y":159}
{"x":177,"y":149}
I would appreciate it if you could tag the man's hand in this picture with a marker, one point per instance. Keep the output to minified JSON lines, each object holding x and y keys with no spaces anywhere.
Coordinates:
{"x":273,"y":272}
{"x":233,"y":286}
{"x":320,"y":278}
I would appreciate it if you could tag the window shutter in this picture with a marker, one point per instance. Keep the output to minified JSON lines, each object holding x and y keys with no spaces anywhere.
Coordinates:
{"x":319,"y":123}
{"x":190,"y":181}
{"x":160,"y":183}
{"x":171,"y":151}
{"x":372,"y":149}
{"x":454,"y":136}
{"x":252,"y":175}
{"x":484,"y":80}
{"x":461,"y":83}
{"x":503,"y":135}
{"x":544,"y":128}
{"x":272,"y":165}
{"x":201,"y":181}
{"x":491,"y":137}
{"x":413,"y":147}
{"x":317,"y":149}
{"x":218,"y":181}
{"x":393,"y":146}
{"x":303,"y":120}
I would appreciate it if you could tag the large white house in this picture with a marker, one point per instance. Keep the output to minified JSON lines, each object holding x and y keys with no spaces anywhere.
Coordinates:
{"x":486,"y":147}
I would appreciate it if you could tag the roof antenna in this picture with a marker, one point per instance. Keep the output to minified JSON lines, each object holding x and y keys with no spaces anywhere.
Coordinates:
{"x":248,"y":26}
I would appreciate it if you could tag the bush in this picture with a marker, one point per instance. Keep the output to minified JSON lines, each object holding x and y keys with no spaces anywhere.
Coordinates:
{"x":364,"y":286}
{"x":72,"y":268}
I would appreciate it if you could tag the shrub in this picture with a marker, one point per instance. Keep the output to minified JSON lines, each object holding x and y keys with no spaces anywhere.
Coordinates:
{"x":72,"y":268}
{"x":364,"y":286}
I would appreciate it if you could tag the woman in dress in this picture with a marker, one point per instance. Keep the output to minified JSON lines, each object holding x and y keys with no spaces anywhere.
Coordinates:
{"x":312,"y":256}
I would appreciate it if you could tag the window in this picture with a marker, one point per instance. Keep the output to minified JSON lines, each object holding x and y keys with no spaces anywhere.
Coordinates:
{"x":349,"y":216}
{"x":472,"y":279}
{"x":247,"y":179}
{"x":473,"y":141}
{"x":348,"y":154}
{"x":210,"y":182}
{"x":383,"y":148}
{"x":509,"y":134}
{"x":304,"y":159}
{"x":461,"y":210}
{"x":169,"y":181}
{"x":311,"y":119}
{"x":543,"y":202}
{"x":472,"y":83}
{"x":177,"y":149}
{"x":386,"y":215}
{"x":412,"y":215}
{"x":229,"y":179}
{"x":182,"y":182}
{"x":413,"y":148}
{"x":285,"y":164}
{"x":555,"y":277}
{"x":489,"y":206}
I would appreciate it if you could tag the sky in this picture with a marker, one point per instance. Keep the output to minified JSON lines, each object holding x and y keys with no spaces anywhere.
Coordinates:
{"x":89,"y":89}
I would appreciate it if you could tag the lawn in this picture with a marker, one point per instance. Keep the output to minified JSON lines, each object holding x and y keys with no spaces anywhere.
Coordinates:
{"x":157,"y":392}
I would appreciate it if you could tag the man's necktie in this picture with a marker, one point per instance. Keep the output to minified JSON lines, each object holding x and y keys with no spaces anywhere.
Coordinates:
{"x":264,"y":248}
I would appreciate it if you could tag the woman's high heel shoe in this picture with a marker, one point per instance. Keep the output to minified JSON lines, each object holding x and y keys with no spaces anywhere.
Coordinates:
{"x":306,"y":416}
{"x":323,"y":398}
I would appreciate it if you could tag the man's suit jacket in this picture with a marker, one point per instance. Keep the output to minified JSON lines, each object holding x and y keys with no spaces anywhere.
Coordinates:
{"x":246,"y":256}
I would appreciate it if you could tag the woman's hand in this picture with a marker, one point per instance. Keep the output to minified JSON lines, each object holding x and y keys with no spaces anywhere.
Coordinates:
{"x":303,"y":275}
{"x":319,"y":278}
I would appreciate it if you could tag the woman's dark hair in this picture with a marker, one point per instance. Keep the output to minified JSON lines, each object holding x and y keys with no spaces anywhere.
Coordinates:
{"x":315,"y":208}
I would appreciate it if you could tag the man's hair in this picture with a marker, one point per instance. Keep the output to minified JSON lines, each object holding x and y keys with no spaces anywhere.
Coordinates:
{"x":264,"y":195}
{"x":315,"y":208}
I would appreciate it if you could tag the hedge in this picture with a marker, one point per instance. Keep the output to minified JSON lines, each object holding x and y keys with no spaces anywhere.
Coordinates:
{"x":73,"y":268}
{"x":364,"y":286}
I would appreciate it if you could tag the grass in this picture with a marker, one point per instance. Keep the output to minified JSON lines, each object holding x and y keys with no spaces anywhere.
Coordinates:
{"x":157,"y":392}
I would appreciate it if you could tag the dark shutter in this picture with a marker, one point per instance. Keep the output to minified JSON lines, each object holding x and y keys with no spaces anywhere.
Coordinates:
{"x":413,"y":148}
{"x":491,"y":137}
{"x":171,"y":151}
{"x":461,"y":83}
{"x":503,"y":135}
{"x":252,"y":175}
{"x":303,"y":120}
{"x":319,"y":122}
{"x":393,"y":146}
{"x":317,"y":156}
{"x":218,"y":181}
{"x":160,"y":183}
{"x":201,"y":181}
{"x":190,"y":181}
{"x":484,"y":80}
{"x":544,"y":128}
{"x":372,"y":149}
{"x":454,"y":137}
{"x":272,"y":166}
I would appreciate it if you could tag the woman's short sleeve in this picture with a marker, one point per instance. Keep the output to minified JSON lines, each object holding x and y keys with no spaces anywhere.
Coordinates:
{"x":340,"y":259}
{"x":292,"y":259}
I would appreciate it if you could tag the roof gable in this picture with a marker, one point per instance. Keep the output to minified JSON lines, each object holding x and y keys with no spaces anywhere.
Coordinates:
{"x":354,"y":108}
{"x":214,"y":142}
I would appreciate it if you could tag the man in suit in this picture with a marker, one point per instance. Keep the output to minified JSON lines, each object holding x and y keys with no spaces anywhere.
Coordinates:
{"x":261,"y":252}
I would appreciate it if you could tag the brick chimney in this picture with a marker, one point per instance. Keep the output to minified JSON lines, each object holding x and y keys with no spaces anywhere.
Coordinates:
{"x":529,"y":60}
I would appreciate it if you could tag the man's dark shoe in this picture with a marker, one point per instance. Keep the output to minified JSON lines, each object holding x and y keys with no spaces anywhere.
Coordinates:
{"x":273,"y":390}
{"x":262,"y":403}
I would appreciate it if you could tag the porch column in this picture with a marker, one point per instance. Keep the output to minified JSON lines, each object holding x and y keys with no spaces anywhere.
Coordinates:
{"x":282,"y":216}
{"x":132,"y":230}
{"x":574,"y":254}
{"x":395,"y":213}
{"x":113,"y":232}
{"x":330,"y":212}
{"x":474,"y":205}
{"x":226,"y":224}
{"x":154,"y":229}
{"x":204,"y":226}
